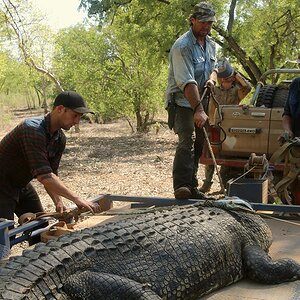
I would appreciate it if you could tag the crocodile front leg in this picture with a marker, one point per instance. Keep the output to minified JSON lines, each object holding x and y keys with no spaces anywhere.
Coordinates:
{"x":89,"y":285}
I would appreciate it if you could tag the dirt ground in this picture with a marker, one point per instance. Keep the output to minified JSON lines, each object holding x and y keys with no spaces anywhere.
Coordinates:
{"x":109,"y":159}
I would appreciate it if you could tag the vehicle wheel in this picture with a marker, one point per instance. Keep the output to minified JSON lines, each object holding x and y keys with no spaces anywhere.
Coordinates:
{"x":265,"y":96}
{"x":280,"y":97}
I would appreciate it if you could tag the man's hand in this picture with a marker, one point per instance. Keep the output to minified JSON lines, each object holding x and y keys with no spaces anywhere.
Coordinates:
{"x":200,"y":118}
{"x":60,"y":207}
{"x":56,"y":189}
{"x":285,"y":136}
{"x":210,"y":83}
{"x":92,"y":207}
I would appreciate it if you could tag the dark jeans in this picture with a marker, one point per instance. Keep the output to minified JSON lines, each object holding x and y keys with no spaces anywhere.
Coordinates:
{"x":27,"y":200}
{"x":189,"y":149}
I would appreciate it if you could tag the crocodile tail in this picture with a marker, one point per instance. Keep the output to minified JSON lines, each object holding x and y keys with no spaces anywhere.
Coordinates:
{"x":260,"y":267}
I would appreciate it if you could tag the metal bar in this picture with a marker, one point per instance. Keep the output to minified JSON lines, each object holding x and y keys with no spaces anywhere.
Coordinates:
{"x":29,"y":226}
{"x":255,"y":94}
{"x":172,"y":201}
{"x":20,"y":239}
{"x":278,"y":71}
{"x":233,"y":162}
{"x":4,"y":232}
{"x":276,"y":207}
{"x":152,"y":200}
{"x":26,"y":230}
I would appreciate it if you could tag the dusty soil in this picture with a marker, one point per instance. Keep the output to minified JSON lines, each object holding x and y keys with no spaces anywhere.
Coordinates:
{"x":109,"y":159}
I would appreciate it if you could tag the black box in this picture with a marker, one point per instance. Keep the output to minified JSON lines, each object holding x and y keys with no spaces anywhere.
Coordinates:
{"x":253,"y":190}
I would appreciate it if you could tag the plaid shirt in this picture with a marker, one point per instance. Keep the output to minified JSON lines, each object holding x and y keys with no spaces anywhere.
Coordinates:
{"x":29,"y":150}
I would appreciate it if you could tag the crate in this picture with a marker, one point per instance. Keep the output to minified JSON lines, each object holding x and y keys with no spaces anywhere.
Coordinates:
{"x":253,"y":190}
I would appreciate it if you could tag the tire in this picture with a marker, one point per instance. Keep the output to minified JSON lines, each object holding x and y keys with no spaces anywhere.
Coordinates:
{"x":266,"y":95}
{"x":280,"y":97}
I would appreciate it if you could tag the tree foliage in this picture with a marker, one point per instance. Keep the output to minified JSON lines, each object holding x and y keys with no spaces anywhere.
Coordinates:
{"x":116,"y":75}
{"x":24,"y":27}
{"x":17,"y":80}
{"x":120,"y":64}
{"x":78,"y":61}
{"x":258,"y":35}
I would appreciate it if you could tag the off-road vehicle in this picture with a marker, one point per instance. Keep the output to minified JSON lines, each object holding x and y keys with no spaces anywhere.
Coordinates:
{"x":239,"y":130}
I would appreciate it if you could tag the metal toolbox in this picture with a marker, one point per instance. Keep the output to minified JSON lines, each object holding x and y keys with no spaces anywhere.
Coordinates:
{"x":253,"y":190}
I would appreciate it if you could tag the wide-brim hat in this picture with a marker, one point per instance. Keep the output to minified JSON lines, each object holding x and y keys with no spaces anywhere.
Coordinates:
{"x":73,"y":101}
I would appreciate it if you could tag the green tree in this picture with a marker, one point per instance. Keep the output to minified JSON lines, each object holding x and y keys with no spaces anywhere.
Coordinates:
{"x":17,"y":82}
{"x":25,"y":28}
{"x":137,"y":73}
{"x":79,"y":56}
{"x":116,"y":75}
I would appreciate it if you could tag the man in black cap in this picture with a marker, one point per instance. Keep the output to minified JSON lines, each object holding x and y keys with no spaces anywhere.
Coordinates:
{"x":191,"y":62}
{"x":33,"y":149}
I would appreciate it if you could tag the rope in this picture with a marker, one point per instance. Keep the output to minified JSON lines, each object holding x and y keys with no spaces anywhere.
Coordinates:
{"x":220,"y":117}
{"x":243,"y":174}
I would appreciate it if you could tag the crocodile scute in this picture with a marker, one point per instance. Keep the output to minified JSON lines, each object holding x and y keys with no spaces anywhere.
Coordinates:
{"x":182,"y":252}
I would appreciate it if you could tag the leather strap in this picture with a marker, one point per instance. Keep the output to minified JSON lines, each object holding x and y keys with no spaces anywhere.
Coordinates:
{"x":28,"y":217}
{"x":289,"y":152}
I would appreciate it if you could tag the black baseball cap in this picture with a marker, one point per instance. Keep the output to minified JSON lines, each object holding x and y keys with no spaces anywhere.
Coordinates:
{"x":73,"y":101}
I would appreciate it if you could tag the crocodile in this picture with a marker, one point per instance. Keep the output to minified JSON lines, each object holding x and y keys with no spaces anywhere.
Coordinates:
{"x":179,"y":252}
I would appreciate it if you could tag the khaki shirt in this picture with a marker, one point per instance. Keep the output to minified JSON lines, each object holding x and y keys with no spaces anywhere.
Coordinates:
{"x":232,"y":96}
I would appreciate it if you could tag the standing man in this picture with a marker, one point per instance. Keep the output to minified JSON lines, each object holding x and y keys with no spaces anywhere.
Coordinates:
{"x":33,"y":149}
{"x":191,"y":65}
{"x":291,"y":127}
{"x":232,"y":88}
{"x":291,"y":114}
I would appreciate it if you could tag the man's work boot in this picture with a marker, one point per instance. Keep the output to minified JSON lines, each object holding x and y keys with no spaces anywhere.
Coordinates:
{"x":197,"y":194}
{"x":183,"y":192}
{"x":206,"y":186}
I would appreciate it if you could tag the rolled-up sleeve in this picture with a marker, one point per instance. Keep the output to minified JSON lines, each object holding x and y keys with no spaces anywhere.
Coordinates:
{"x":42,"y":151}
{"x":35,"y":151}
{"x":183,"y":67}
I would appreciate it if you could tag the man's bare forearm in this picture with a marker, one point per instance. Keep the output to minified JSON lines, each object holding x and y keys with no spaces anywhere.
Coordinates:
{"x":287,"y":124}
{"x":54,"y":186}
{"x":191,"y":93}
{"x":56,"y":198}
